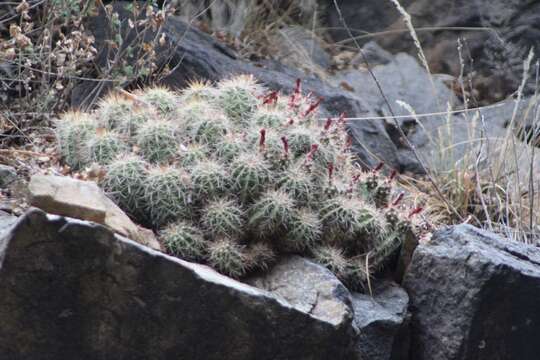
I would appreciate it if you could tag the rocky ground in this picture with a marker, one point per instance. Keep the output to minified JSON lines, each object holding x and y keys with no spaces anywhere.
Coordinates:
{"x":79,"y":279}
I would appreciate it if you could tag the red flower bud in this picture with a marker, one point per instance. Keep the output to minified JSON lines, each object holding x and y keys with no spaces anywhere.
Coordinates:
{"x":314,"y":148}
{"x":415,"y":211}
{"x":312,"y":107}
{"x":285,"y":145}
{"x":378,"y":167}
{"x":262,"y":138}
{"x":330,"y":171}
{"x":398,"y":199}
{"x":328,"y":124}
{"x":271,"y":98}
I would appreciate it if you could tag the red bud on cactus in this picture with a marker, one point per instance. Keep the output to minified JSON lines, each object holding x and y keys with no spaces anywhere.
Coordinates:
{"x":262,"y":138}
{"x":291,"y":121}
{"x":298,"y":88}
{"x":415,"y":212}
{"x":285,"y":145}
{"x":328,"y":124}
{"x":341,"y":119}
{"x":330,"y":171}
{"x":313,"y":150}
{"x":392,"y":175}
{"x":271,"y":98}
{"x":378,"y":167}
{"x":348,"y":142}
{"x":312,"y":107}
{"x":398,"y":199}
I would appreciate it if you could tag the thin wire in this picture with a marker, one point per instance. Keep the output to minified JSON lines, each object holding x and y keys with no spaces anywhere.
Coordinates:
{"x":425,"y":115}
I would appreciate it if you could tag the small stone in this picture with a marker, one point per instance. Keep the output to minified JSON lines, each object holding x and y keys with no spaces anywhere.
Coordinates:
{"x":82,"y":200}
{"x":8,"y":175}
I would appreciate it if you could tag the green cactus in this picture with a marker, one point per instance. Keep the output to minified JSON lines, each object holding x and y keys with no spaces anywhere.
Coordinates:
{"x":333,"y":259}
{"x":168,"y":195}
{"x":113,"y":111}
{"x":249,"y":175}
{"x":104,"y":146}
{"x":238,"y":175}
{"x":230,"y":146}
{"x":198,"y":91}
{"x":210,"y":179}
{"x":163,"y":100}
{"x":305,"y":230}
{"x":124,"y":183}
{"x":268,"y":117}
{"x":260,"y":256}
{"x":299,"y":184}
{"x":272,"y":212}
{"x":227,"y":257}
{"x":73,"y":131}
{"x":184,"y":240}
{"x":223,"y":218}
{"x":238,"y":97}
{"x":192,"y":153}
{"x":157,"y":141}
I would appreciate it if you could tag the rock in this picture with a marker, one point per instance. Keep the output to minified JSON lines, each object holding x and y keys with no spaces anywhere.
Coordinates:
{"x":193,"y":54}
{"x":309,"y":287}
{"x":383,"y":323}
{"x":8,"y":175}
{"x":6,"y":221}
{"x":73,"y":290}
{"x":474,"y":295}
{"x":299,"y":48}
{"x":497,"y":34}
{"x":374,"y":54}
{"x":401,"y":79}
{"x":83,"y":200}
{"x":363,"y":18}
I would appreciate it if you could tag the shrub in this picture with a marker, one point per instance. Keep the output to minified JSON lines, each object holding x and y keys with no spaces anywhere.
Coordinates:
{"x":232,"y":182}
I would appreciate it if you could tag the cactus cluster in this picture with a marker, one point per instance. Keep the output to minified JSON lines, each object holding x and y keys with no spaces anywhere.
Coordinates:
{"x":233,"y":175}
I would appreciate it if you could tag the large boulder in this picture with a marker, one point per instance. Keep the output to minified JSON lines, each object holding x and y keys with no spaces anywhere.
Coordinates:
{"x":474,"y":295}
{"x":383,"y":322}
{"x":73,"y":290}
{"x":310,"y":287}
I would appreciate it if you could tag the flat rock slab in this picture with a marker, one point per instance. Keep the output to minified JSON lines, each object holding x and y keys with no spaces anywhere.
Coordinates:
{"x":83,"y":200}
{"x":73,"y":290}
{"x":474,"y":296}
{"x":310,"y":287}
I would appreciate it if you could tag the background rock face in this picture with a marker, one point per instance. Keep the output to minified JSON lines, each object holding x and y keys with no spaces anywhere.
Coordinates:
{"x":72,"y":290}
{"x":383,"y":323}
{"x":474,"y":296}
{"x":497,"y":34}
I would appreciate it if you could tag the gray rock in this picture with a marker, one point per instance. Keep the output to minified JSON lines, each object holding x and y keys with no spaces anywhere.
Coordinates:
{"x":402,"y":79}
{"x":374,"y":54}
{"x":383,"y":323}
{"x":310,"y":287}
{"x":73,"y":290}
{"x":297,"y":47}
{"x":509,"y":30}
{"x":8,"y":175}
{"x":6,"y":222}
{"x":474,"y":295}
